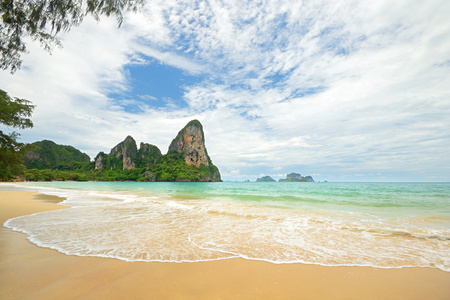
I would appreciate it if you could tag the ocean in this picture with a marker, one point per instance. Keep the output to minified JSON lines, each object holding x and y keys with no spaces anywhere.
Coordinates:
{"x":382,"y":225}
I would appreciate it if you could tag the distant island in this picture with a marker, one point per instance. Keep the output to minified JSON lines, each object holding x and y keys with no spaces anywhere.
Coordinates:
{"x":292,"y":177}
{"x":266,"y":179}
{"x":295,"y":177}
{"x":186,"y":160}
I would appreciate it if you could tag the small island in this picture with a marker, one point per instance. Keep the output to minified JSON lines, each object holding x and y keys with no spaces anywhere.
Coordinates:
{"x":266,"y":179}
{"x":291,"y":177}
{"x":296,"y":177}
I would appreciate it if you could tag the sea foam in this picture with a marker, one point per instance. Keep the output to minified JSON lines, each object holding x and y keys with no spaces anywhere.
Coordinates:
{"x":134,"y":226}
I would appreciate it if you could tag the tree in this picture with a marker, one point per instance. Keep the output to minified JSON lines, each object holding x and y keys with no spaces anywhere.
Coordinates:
{"x":14,"y":113}
{"x":42,"y":20}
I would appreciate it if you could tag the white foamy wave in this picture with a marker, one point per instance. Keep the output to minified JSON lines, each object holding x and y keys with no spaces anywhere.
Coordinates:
{"x":84,"y":198}
{"x":142,"y":228}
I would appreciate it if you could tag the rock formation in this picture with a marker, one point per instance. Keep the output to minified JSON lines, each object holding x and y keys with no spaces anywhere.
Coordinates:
{"x":188,"y":148}
{"x":148,"y":155}
{"x":265,"y":179}
{"x":186,"y":160}
{"x":100,"y":160}
{"x":126,"y":151}
{"x":190,"y":141}
{"x":123,"y":154}
{"x":296,"y":177}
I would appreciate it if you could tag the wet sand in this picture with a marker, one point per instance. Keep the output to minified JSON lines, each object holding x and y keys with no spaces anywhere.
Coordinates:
{"x":31,"y":272}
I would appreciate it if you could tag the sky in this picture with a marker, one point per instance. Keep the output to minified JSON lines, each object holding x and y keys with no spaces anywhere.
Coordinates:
{"x":339,"y":90}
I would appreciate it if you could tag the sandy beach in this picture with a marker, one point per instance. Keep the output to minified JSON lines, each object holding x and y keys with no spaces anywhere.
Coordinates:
{"x":31,"y":272}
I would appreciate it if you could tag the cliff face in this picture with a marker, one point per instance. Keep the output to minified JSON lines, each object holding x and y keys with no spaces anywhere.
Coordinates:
{"x":100,"y":161}
{"x":191,"y":142}
{"x":127,"y":151}
{"x":123,"y":154}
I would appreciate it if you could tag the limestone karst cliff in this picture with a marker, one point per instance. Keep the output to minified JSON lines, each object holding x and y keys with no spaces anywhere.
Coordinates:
{"x":187,"y":148}
{"x":186,"y":160}
{"x":122,"y":155}
{"x":126,"y":151}
{"x":125,"y":156}
{"x":190,"y":141}
{"x":100,"y":161}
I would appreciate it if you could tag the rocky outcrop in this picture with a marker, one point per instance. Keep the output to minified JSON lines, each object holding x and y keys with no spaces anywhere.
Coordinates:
{"x":186,"y":160}
{"x":126,"y":151}
{"x":100,"y":161}
{"x":122,"y":155}
{"x":265,"y":179}
{"x":149,"y":176}
{"x":190,"y":141}
{"x":308,"y":179}
{"x":148,"y":155}
{"x":186,"y":151}
{"x":293,"y":177}
{"x":296,"y":177}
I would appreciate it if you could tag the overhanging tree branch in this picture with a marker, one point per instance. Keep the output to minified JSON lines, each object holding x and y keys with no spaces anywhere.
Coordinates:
{"x":42,"y":20}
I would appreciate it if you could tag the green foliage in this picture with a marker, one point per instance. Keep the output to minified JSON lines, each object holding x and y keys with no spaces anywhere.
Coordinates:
{"x":169,"y":167}
{"x":147,"y":155}
{"x":57,"y":175}
{"x":172,"y":167}
{"x":43,"y":20}
{"x":14,"y":113}
{"x":10,"y":164}
{"x":46,"y":155}
{"x":48,"y":161}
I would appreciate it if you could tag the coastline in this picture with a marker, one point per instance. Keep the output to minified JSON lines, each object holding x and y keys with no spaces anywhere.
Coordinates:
{"x":31,"y":272}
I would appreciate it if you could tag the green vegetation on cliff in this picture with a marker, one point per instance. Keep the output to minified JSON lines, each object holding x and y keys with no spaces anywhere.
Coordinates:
{"x":172,"y":167}
{"x":47,"y":155}
{"x":48,"y":161}
{"x":169,"y":167}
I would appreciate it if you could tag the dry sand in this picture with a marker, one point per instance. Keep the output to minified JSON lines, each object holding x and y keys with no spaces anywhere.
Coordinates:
{"x":30,"y":272}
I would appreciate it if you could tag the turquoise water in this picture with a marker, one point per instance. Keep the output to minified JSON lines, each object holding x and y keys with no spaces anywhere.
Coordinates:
{"x":385,"y":225}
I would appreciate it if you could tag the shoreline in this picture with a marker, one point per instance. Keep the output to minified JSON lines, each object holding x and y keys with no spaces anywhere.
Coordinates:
{"x":30,"y":272}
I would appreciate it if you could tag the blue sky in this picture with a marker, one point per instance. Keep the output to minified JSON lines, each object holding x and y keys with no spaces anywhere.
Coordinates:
{"x":340,"y":90}
{"x":156,"y":85}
